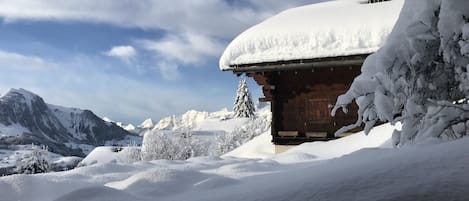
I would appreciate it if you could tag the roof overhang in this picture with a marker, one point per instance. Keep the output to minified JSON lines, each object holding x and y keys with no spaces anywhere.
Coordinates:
{"x":300,"y":64}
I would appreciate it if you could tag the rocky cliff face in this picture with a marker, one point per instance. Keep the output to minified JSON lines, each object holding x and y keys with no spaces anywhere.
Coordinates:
{"x":25,"y":118}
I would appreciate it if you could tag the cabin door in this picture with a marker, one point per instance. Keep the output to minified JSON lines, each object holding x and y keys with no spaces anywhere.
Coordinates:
{"x":318,"y":116}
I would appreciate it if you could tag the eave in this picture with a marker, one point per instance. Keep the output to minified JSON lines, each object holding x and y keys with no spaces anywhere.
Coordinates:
{"x":299,"y":64}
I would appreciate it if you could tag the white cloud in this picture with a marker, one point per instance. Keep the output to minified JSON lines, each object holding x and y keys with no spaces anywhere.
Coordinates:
{"x":168,"y":70}
{"x":125,"y":53}
{"x":116,"y":96}
{"x":172,"y":51}
{"x":187,"y":49}
{"x":209,"y":17}
{"x":22,"y":62}
{"x":194,"y":29}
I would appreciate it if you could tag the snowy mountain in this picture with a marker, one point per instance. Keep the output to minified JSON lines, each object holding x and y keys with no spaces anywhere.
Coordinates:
{"x":25,"y":119}
{"x":147,"y":124}
{"x":191,"y":119}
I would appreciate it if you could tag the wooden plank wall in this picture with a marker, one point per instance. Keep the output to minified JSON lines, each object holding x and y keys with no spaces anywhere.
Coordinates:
{"x":302,"y":99}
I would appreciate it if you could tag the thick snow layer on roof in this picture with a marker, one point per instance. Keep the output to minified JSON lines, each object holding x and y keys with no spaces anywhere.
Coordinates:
{"x":335,"y":28}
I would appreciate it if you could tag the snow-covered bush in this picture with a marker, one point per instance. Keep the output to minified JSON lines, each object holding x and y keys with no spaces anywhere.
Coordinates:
{"x":243,"y":106}
{"x":421,"y":75}
{"x":229,"y":141}
{"x":172,"y":146}
{"x":130,"y":154}
{"x":36,"y":161}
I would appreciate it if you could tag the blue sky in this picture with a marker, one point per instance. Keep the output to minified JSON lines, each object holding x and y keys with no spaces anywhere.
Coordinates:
{"x":126,"y":60}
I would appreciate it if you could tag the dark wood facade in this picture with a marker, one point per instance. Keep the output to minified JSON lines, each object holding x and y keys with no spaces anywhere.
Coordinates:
{"x":302,"y":94}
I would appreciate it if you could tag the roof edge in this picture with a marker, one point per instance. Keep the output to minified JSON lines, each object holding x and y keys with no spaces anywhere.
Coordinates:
{"x":297,"y":64}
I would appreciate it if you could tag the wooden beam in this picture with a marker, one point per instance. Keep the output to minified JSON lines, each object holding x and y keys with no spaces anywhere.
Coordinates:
{"x":343,"y":61}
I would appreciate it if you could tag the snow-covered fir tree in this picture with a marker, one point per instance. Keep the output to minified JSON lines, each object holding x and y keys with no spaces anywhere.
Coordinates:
{"x":420,"y":77}
{"x":36,"y":161}
{"x":243,"y":106}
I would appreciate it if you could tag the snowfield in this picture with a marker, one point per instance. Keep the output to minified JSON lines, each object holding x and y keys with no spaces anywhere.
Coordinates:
{"x":313,"y":171}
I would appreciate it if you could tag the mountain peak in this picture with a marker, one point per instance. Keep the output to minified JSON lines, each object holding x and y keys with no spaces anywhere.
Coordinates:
{"x":21,"y":95}
{"x":62,"y":129}
{"x":25,"y":93}
{"x":148,"y":123}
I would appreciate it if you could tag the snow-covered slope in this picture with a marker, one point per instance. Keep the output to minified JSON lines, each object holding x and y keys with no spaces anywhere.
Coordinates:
{"x":333,"y":28}
{"x":262,"y":147}
{"x":434,"y":172}
{"x":259,"y":147}
{"x":25,"y":118}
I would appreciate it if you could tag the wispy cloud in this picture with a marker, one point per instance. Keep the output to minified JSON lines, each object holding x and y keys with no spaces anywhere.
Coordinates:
{"x":23,"y":62}
{"x":172,"y":51}
{"x":125,"y":53}
{"x":195,"y":31}
{"x":208,"y":17}
{"x":168,"y":70}
{"x":77,"y":82}
{"x":188,"y":48}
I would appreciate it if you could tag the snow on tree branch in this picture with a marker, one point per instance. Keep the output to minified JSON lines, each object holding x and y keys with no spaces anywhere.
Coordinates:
{"x":424,"y":63}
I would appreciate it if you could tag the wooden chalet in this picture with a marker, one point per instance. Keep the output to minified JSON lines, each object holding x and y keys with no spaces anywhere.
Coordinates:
{"x":302,"y":93}
{"x":302,"y":86}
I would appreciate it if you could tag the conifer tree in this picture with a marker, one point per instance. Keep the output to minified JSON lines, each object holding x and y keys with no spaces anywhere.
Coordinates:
{"x":243,"y":106}
{"x":34,"y":162}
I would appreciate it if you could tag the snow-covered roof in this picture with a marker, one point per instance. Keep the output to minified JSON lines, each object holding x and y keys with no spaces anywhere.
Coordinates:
{"x":329,"y":29}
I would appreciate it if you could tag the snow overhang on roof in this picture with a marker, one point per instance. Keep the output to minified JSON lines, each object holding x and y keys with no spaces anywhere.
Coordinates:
{"x":329,"y":29}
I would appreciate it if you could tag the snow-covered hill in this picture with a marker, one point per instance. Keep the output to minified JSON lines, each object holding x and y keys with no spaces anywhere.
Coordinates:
{"x":25,"y":119}
{"x":367,"y":171}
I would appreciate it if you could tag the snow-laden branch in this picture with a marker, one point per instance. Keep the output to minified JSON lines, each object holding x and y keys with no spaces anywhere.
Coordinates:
{"x":417,"y":75}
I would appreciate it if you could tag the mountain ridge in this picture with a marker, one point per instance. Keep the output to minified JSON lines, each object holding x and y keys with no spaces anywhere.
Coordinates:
{"x":25,"y":118}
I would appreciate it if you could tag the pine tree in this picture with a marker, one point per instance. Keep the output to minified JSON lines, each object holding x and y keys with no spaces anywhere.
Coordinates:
{"x":34,"y":162}
{"x":243,"y":106}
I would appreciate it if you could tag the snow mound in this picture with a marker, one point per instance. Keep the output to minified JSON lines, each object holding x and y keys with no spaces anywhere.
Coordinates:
{"x":259,"y":147}
{"x":162,"y":181}
{"x":378,"y":137}
{"x":109,"y":154}
{"x":335,"y":28}
{"x":262,"y":147}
